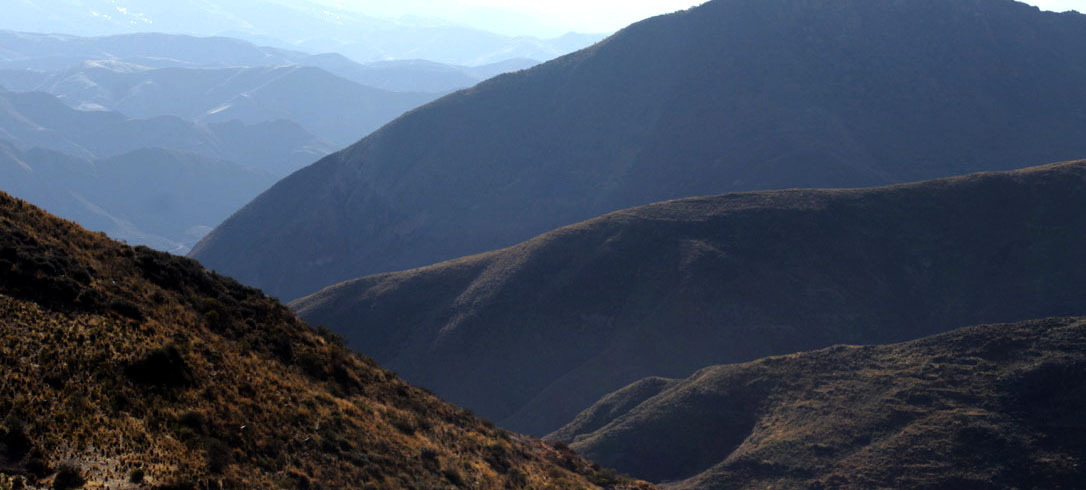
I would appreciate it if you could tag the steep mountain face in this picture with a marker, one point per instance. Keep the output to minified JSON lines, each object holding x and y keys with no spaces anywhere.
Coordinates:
{"x":546,"y":327}
{"x":732,"y":95}
{"x":123,"y":364}
{"x":164,"y":199}
{"x":996,"y":406}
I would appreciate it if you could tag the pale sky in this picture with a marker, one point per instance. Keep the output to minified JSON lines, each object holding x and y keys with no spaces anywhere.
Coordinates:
{"x":553,"y":17}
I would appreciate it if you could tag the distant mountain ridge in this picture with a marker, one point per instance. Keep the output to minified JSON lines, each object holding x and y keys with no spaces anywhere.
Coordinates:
{"x":733,"y":95}
{"x":161,"y":181}
{"x":337,"y":109}
{"x":164,"y":199}
{"x":995,"y":406}
{"x":296,"y":25}
{"x":545,"y":328}
{"x":40,"y":120}
{"x":32,"y":56}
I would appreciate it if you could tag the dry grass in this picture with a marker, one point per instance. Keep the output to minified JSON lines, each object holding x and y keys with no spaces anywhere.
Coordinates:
{"x":116,"y":359}
{"x":996,"y":406}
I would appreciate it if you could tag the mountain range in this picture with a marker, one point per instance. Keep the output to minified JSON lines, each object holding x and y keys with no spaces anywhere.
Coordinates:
{"x":294,"y":25}
{"x":40,"y":120}
{"x":245,"y":113}
{"x":127,"y":367}
{"x":733,"y":95}
{"x":544,"y":328}
{"x":995,"y":406}
{"x":161,"y":198}
{"x":714,"y":273}
{"x":27,"y":59}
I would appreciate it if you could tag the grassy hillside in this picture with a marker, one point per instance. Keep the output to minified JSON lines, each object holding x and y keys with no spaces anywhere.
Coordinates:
{"x":121,"y":365}
{"x":997,"y":406}
{"x":733,"y":95}
{"x":547,"y":327}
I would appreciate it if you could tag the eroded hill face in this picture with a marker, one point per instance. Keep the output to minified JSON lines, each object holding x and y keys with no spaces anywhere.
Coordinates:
{"x":733,"y":95}
{"x":121,"y":363}
{"x":996,"y":406}
{"x":547,"y":327}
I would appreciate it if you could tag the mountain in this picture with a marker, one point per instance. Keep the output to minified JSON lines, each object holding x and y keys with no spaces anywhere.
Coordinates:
{"x":546,"y":327}
{"x":428,"y":76}
{"x":733,"y":95}
{"x":40,"y":120}
{"x":51,"y":52}
{"x":160,"y":181}
{"x":124,"y":364}
{"x":449,"y":44}
{"x":337,"y":109}
{"x":289,"y":25}
{"x":996,"y":406}
{"x":164,"y":199}
{"x":27,"y":59}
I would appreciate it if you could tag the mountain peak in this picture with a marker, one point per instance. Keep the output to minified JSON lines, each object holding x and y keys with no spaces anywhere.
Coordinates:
{"x":734,"y":95}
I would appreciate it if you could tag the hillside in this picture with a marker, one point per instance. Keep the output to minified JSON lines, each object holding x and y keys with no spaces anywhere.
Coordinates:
{"x":123,"y":364}
{"x":733,"y":95}
{"x":997,"y":406}
{"x":547,"y":327}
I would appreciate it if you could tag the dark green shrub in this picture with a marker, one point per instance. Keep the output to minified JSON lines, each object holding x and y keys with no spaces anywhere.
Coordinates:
{"x":127,"y":309}
{"x":68,"y":476}
{"x":35,"y":465}
{"x":219,"y":455}
{"x":163,"y":367}
{"x":136,"y":475}
{"x":454,"y":477}
{"x":15,"y":440}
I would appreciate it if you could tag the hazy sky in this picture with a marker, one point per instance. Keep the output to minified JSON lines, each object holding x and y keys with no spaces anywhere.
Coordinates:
{"x":551,"y":17}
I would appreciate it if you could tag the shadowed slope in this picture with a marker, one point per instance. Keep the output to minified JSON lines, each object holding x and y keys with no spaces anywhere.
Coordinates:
{"x":983,"y":407}
{"x":533,"y":334}
{"x":116,"y":359}
{"x":729,"y":96}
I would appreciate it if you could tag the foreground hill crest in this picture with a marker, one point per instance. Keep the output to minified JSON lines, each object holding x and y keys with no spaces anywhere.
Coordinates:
{"x":124,"y":364}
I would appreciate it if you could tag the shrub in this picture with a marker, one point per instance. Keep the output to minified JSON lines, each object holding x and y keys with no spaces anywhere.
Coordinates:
{"x":15,"y":439}
{"x":68,"y":476}
{"x":163,"y":367}
{"x":36,"y":464}
{"x":403,"y":423}
{"x":218,"y":455}
{"x":136,"y":475}
{"x":127,"y":309}
{"x":330,"y":336}
{"x":454,"y":477}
